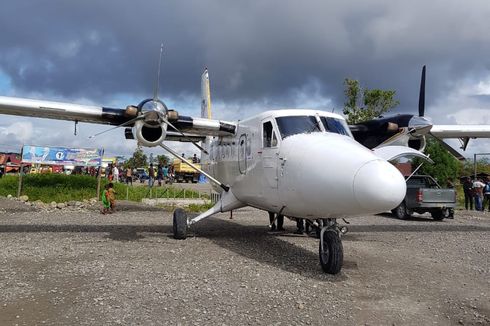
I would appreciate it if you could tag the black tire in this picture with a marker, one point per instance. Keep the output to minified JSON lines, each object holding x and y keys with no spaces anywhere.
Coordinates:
{"x":401,"y":212}
{"x":180,"y":224}
{"x":332,"y":257}
{"x":440,"y":214}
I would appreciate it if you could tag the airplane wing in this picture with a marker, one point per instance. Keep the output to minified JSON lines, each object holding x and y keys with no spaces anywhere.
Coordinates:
{"x":61,"y":111}
{"x":196,"y":127}
{"x":460,"y":131}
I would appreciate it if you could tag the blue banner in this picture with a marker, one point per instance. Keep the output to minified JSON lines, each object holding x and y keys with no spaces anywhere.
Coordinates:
{"x":62,"y":156}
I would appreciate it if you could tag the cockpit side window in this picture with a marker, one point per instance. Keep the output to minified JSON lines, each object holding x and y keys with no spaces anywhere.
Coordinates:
{"x":274,"y":139}
{"x":269,"y":135}
{"x":336,"y":126}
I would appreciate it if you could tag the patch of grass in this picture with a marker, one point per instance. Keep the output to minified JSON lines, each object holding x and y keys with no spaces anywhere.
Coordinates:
{"x":192,"y":208}
{"x":50,"y":187}
{"x":63,"y":188}
{"x":198,"y":208}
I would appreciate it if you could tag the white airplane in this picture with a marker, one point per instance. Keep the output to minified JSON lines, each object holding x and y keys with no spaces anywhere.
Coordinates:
{"x":297,"y":163}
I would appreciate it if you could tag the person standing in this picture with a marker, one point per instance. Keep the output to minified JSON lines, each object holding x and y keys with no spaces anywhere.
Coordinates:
{"x":129,"y":175}
{"x":151,"y":175}
{"x":468,"y":193}
{"x":108,"y":172}
{"x":160,"y":174}
{"x":115,"y":173}
{"x":273,"y":219}
{"x":478,"y":186}
{"x":165,"y":174}
{"x":300,"y":226}
{"x":106,"y":205}
{"x":486,"y":193}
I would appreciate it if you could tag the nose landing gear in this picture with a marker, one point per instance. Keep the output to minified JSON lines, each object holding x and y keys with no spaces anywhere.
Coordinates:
{"x":331,"y":251}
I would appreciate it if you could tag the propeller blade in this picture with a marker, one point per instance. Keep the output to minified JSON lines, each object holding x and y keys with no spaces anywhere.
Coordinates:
{"x":183,"y":135}
{"x":119,"y":126}
{"x":451,"y":150}
{"x":422,"y":94}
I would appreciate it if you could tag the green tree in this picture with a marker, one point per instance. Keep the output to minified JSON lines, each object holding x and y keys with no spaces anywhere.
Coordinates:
{"x":467,"y":167}
{"x":366,"y":104}
{"x":138,"y":160}
{"x":445,"y":165}
{"x":163,"y":159}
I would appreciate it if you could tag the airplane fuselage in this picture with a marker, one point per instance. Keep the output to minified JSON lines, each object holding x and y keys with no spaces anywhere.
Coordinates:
{"x":302,"y":163}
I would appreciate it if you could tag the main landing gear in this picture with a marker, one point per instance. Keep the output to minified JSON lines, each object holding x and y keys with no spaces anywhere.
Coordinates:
{"x":180,"y":224}
{"x":331,"y":251}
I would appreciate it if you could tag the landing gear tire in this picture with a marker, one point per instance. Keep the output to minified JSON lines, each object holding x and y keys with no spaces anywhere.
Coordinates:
{"x":440,"y":214}
{"x":401,"y":212}
{"x":180,"y":224}
{"x":331,"y":252}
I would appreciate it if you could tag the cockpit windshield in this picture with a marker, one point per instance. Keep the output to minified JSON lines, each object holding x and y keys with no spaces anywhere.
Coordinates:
{"x":293,"y":125}
{"x":335,"y":125}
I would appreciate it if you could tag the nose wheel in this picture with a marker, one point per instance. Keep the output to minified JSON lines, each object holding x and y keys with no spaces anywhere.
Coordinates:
{"x":331,"y":251}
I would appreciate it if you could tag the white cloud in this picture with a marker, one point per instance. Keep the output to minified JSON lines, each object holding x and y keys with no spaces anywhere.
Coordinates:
{"x":19,"y":131}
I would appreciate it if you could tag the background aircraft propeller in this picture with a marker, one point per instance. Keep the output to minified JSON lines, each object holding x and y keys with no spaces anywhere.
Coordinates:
{"x":422,"y":94}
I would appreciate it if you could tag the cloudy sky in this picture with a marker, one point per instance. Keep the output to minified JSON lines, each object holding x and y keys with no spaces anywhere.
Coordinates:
{"x":261,"y":55}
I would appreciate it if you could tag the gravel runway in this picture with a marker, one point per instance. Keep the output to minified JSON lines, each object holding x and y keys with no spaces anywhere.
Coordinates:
{"x":80,"y":267}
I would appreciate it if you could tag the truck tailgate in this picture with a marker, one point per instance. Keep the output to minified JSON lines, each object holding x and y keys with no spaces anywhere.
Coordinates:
{"x":439,"y":196}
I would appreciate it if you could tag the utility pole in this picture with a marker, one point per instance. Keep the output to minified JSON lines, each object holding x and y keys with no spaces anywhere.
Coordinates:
{"x":474,"y":162}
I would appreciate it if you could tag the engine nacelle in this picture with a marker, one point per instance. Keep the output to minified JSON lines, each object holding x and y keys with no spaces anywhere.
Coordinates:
{"x":417,"y":143}
{"x":149,"y":135}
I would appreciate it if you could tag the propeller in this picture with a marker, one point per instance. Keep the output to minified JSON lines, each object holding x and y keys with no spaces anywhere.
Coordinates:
{"x":446,"y":146}
{"x":422,"y":94}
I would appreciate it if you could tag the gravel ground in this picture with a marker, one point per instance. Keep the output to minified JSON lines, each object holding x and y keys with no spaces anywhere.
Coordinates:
{"x":81,"y":267}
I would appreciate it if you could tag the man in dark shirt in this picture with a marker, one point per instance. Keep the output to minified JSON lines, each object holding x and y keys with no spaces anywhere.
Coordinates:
{"x":468,"y":193}
{"x":151,"y":175}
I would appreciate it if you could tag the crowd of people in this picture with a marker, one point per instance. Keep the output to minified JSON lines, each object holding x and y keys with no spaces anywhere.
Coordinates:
{"x":161,"y":173}
{"x":476,"y":192}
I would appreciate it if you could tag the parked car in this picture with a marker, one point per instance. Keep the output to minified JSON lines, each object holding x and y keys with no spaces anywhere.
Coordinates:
{"x":424,"y":194}
{"x":140,"y":174}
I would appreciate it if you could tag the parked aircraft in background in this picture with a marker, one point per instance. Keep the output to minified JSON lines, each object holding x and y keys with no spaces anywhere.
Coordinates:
{"x":412,"y":131}
{"x":298,"y":163}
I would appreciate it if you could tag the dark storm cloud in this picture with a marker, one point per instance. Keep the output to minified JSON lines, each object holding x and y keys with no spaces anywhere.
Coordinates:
{"x":256,"y":50}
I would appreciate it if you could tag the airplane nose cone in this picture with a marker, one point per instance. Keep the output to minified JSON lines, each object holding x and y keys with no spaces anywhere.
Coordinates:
{"x":379,"y":186}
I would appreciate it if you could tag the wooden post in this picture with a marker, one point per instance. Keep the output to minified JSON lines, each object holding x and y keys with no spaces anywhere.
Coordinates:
{"x":99,"y":176}
{"x":21,"y":172}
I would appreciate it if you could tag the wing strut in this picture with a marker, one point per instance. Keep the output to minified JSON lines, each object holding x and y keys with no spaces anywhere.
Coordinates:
{"x":176,"y":155}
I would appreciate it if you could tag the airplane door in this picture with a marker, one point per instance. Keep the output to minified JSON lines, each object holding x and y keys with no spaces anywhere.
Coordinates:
{"x":270,"y":153}
{"x":242,"y":154}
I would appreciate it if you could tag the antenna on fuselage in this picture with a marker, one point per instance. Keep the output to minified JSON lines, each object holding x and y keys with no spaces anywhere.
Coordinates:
{"x":157,"y":84}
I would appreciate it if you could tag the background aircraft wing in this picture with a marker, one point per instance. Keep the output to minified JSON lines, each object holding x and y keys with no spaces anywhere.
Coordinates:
{"x":460,"y":131}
